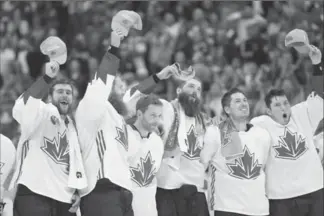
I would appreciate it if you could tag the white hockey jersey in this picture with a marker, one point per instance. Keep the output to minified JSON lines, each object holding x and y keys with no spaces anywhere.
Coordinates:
{"x":7,"y":160}
{"x":143,"y":168}
{"x":318,"y":141}
{"x":103,"y":137}
{"x":184,"y":168}
{"x":43,"y":152}
{"x":294,"y":168}
{"x":237,"y":185}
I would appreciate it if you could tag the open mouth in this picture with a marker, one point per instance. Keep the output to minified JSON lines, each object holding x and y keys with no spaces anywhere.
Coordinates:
{"x":284,"y":115}
{"x":64,"y":103}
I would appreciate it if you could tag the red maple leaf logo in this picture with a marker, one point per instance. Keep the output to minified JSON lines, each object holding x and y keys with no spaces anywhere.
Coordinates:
{"x":58,"y":151}
{"x":122,"y":137}
{"x":193,"y":150}
{"x":145,"y":172}
{"x":245,"y":167}
{"x":291,"y":146}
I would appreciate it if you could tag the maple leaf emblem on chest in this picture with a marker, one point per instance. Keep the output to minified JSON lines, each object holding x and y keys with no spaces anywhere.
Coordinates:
{"x":1,"y":165}
{"x":145,"y":171}
{"x":58,"y":150}
{"x":122,"y":137}
{"x":193,"y":152}
{"x":245,"y":167}
{"x":291,"y":146}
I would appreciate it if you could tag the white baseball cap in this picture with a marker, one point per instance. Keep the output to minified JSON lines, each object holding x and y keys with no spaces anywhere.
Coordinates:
{"x":55,"y":49}
{"x":298,"y":39}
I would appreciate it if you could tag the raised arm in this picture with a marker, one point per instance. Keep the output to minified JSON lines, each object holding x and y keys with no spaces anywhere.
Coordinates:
{"x":29,"y":109}
{"x":317,"y":76}
{"x":93,"y":104}
{"x":146,"y":87}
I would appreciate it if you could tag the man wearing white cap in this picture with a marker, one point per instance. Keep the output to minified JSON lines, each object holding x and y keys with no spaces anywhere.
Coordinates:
{"x":294,"y":171}
{"x":49,"y":163}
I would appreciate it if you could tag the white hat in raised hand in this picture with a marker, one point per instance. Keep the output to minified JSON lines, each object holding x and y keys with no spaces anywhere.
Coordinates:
{"x":124,"y":20}
{"x":298,"y":39}
{"x":55,"y":49}
{"x":185,"y":74}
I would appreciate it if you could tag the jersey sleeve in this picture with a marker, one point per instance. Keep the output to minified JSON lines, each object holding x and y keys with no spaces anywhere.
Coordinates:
{"x":311,"y":110}
{"x":7,"y":159}
{"x":92,"y":106}
{"x":29,"y":110}
{"x":212,"y":142}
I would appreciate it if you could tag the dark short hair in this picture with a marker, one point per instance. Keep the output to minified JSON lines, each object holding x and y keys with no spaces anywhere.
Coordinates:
{"x":227,"y":97}
{"x":58,"y":82}
{"x":271,"y":94}
{"x":144,"y":102}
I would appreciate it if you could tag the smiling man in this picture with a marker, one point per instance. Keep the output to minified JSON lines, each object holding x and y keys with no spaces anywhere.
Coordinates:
{"x":236,"y":153}
{"x":49,"y":167}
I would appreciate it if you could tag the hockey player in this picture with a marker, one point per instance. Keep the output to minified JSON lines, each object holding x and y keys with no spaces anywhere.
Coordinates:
{"x":236,"y":153}
{"x":294,"y":171}
{"x":7,"y":161}
{"x":49,"y":165}
{"x":107,"y":148}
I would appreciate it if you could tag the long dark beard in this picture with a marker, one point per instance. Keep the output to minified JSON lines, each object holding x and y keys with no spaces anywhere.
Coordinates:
{"x":190,"y":107}
{"x":118,"y":104}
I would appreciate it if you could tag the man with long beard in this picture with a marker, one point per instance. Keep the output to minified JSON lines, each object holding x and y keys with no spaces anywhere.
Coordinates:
{"x":294,"y":171}
{"x":106,"y":145}
{"x":49,"y":166}
{"x":180,"y":178}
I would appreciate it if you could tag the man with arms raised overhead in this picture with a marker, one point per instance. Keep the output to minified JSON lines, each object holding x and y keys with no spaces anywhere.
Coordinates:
{"x":105,"y":139}
{"x":236,"y":153}
{"x":49,"y":164}
{"x":294,"y":171}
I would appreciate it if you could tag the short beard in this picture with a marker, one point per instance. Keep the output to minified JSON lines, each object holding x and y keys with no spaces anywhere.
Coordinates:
{"x":191,"y":108}
{"x":118,"y":104}
{"x":59,"y":108}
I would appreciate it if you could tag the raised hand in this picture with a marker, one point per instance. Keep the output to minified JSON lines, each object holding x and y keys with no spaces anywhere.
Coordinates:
{"x":52,"y":68}
{"x":315,"y":54}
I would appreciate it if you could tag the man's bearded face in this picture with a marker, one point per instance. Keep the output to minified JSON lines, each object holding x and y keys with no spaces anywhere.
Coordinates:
{"x":190,"y":97}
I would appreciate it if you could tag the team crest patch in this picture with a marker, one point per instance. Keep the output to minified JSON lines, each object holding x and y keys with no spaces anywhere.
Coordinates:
{"x":54,"y":120}
{"x":78,"y":175}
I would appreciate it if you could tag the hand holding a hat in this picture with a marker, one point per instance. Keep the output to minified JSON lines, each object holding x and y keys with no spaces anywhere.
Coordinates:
{"x":56,"y":51}
{"x":298,"y":39}
{"x":176,"y":71}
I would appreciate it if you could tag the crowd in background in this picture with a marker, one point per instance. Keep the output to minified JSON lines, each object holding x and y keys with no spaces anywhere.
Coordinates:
{"x":229,"y":44}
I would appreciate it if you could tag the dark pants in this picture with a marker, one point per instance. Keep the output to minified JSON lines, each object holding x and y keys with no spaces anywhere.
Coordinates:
{"x":185,"y":201}
{"x":107,"y":199}
{"x":221,"y":213}
{"x":28,"y":203}
{"x":306,"y":205}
